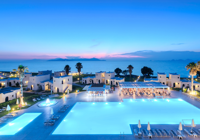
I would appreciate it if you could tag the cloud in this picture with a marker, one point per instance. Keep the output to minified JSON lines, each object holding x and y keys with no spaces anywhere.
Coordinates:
{"x":166,"y":55}
{"x":177,"y":43}
{"x":95,"y":45}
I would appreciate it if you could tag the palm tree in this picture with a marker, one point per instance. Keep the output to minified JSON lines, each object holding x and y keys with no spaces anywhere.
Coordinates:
{"x":79,"y":66}
{"x":193,"y":67}
{"x":67,"y":69}
{"x":130,"y":69}
{"x":20,"y":72}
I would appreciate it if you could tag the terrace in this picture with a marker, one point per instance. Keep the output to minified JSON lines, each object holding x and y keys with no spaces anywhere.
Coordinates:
{"x":100,"y":118}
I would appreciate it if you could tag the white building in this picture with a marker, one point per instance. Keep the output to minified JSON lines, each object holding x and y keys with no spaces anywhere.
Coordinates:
{"x":62,"y":83}
{"x":59,"y":73}
{"x":175,"y":81}
{"x":56,"y":83}
{"x":103,"y":77}
{"x":9,"y":93}
{"x":35,"y":81}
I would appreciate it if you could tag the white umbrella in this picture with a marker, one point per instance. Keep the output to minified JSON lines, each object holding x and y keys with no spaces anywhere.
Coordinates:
{"x":139,"y":125}
{"x":148,"y":127}
{"x":17,"y":102}
{"x":193,"y":124}
{"x":180,"y":127}
{"x":8,"y":108}
{"x":51,"y":111}
{"x":68,"y":91}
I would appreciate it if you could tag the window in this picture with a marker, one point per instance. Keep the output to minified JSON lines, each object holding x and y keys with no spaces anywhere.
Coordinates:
{"x":12,"y":95}
{"x":14,"y":81}
{"x":68,"y":79}
{"x":54,"y":80}
{"x":25,"y":76}
{"x":160,"y":76}
{"x":178,"y":77}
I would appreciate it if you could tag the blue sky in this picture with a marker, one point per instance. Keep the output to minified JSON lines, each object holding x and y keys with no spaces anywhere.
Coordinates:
{"x":98,"y":28}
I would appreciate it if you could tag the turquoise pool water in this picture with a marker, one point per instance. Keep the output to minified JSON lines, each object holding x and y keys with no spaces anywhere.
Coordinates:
{"x":19,"y":123}
{"x":116,"y":117}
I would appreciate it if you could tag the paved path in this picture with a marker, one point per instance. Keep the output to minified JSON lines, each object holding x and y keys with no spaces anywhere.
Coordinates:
{"x":37,"y":131}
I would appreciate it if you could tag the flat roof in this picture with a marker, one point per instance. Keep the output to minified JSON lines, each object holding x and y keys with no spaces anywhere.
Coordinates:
{"x":97,"y":85}
{"x":62,"y":76}
{"x":8,"y":90}
{"x":173,"y":73}
{"x":142,"y":85}
{"x":117,"y":78}
{"x":161,"y":73}
{"x":150,"y":79}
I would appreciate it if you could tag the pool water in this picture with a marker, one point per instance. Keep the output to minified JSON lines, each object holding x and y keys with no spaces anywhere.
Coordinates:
{"x":19,"y":123}
{"x":116,"y":117}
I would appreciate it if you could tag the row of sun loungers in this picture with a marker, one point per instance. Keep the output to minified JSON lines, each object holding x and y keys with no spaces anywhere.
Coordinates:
{"x":52,"y":120}
{"x":63,"y":108}
{"x":38,"y":99}
{"x":165,"y":133}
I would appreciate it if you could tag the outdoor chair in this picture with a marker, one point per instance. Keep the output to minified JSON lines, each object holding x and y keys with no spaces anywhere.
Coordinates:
{"x":135,"y":132}
{"x":167,"y":132}
{"x":187,"y":132}
{"x":173,"y":133}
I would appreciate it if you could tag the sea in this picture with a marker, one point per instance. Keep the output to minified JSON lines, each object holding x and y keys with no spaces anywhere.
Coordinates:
{"x":172,"y":66}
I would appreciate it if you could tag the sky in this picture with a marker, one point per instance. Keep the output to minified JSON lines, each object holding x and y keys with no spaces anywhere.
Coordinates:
{"x":105,"y":29}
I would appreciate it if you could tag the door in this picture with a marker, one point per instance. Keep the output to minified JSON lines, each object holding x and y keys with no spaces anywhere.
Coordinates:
{"x":193,"y":87}
{"x":85,"y":82}
{"x":9,"y":84}
{"x":111,"y":83}
{"x":174,"y":85}
{"x":6,"y":99}
{"x":99,"y":81}
{"x":116,"y":84}
{"x":0,"y":84}
{"x":92,"y":82}
{"x":183,"y":85}
{"x":57,"y":90}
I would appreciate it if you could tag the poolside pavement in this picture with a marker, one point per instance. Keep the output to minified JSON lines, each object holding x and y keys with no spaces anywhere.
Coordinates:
{"x":37,"y":131}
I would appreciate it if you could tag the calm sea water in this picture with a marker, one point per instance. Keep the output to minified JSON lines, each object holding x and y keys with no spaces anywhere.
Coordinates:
{"x":95,"y":66}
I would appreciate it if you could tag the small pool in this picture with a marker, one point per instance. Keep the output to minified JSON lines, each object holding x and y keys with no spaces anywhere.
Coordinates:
{"x":116,"y":117}
{"x":19,"y":123}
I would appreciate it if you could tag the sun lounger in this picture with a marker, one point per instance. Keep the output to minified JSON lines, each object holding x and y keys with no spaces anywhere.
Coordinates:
{"x":135,"y":132}
{"x":38,"y":99}
{"x":179,"y":133}
{"x":49,"y":122}
{"x":174,"y":134}
{"x":145,"y":134}
{"x":167,"y":132}
{"x":159,"y":133}
{"x":187,"y":132}
{"x":197,"y":132}
{"x":34,"y":100}
{"x":55,"y":117}
{"x":162,"y":132}
{"x":153,"y":134}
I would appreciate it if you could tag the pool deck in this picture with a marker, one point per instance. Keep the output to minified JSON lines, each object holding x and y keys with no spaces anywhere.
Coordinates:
{"x":37,"y":131}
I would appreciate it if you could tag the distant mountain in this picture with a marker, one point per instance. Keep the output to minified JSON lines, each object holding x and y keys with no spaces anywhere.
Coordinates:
{"x":76,"y":59}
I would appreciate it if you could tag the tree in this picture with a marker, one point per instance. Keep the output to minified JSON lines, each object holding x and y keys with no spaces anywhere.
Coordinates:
{"x":67,"y":69}
{"x":130,"y":69}
{"x":20,"y":72}
{"x":193,"y":67}
{"x":125,"y":72}
{"x":17,"y":84}
{"x":146,"y":71}
{"x":118,"y":71}
{"x":79,"y":67}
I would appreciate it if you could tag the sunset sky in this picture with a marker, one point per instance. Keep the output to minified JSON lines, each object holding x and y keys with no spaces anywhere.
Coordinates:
{"x":31,"y":29}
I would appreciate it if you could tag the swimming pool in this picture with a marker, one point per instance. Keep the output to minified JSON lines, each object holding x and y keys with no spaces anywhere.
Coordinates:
{"x":19,"y":123}
{"x":116,"y":117}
